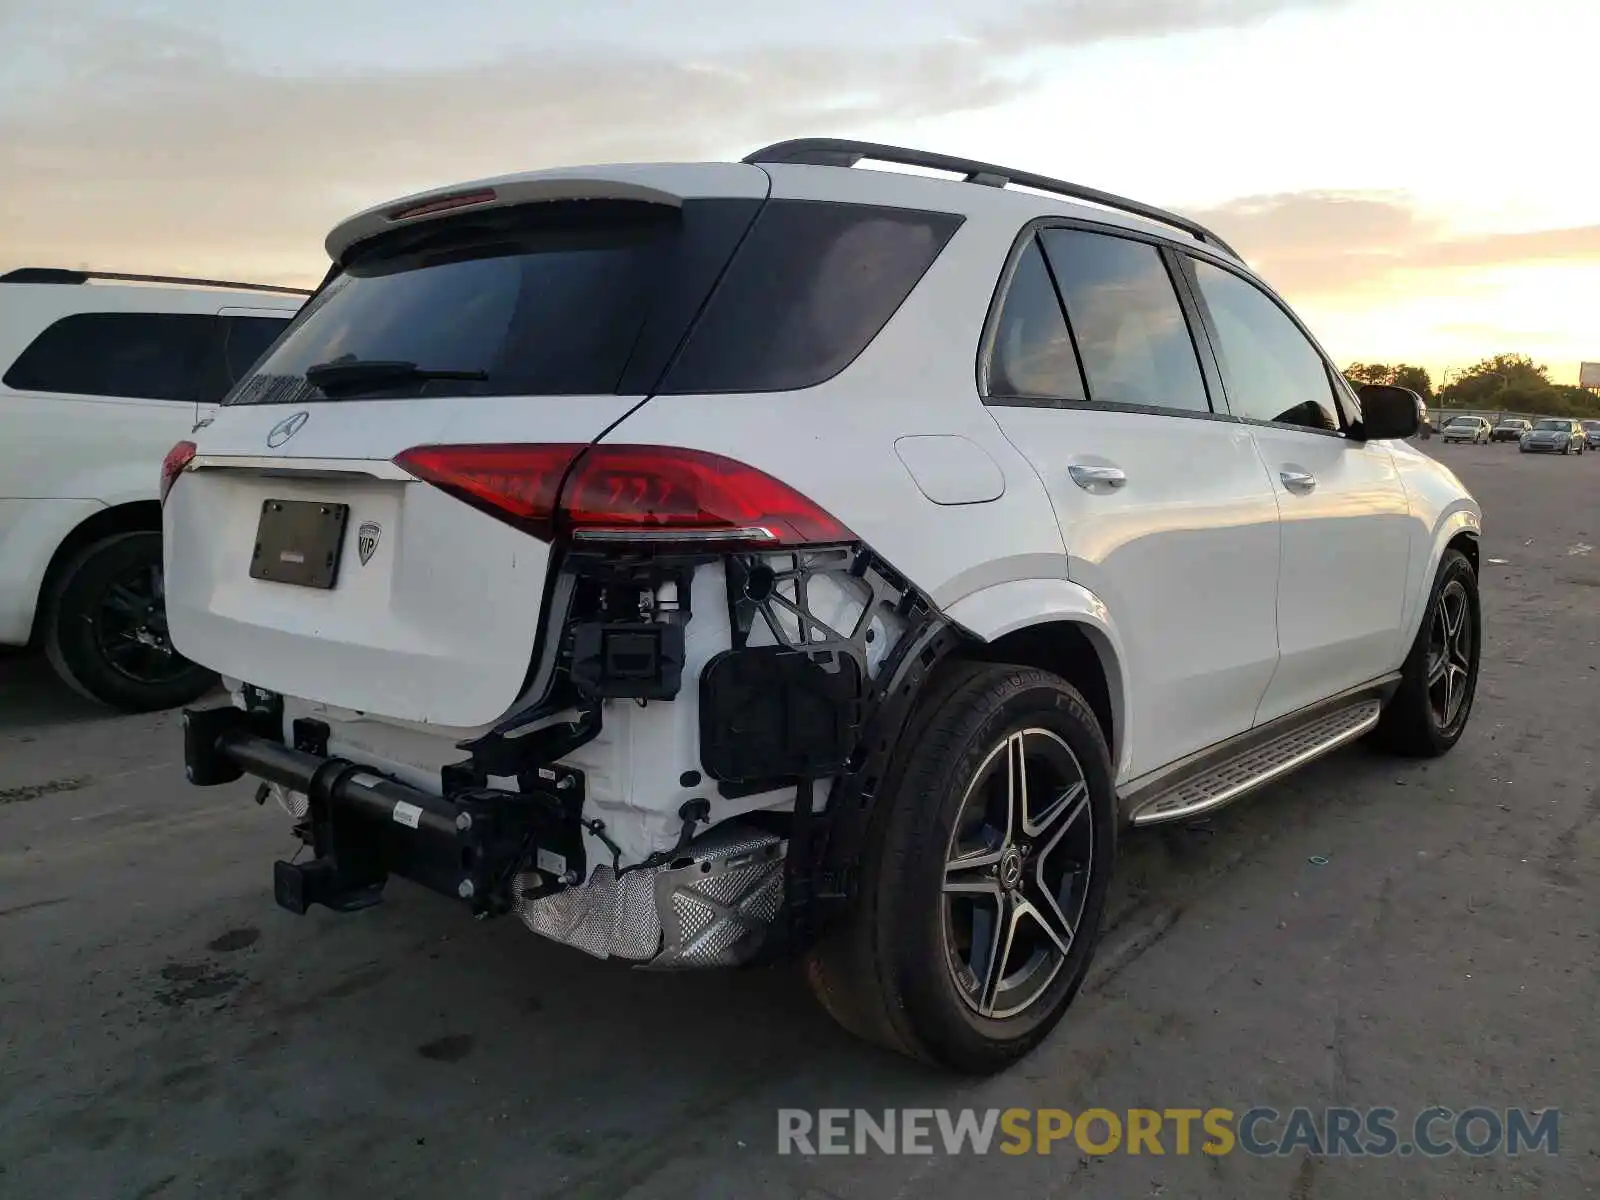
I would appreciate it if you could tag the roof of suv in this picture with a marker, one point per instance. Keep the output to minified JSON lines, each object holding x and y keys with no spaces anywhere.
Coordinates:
{"x":818,"y":168}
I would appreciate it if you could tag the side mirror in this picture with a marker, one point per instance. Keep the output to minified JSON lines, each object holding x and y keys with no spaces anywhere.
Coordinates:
{"x":1387,"y":413}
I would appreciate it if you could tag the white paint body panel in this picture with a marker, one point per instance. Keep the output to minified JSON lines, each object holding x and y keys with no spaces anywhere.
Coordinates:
{"x":70,"y":456}
{"x":1342,"y":585}
{"x":1184,"y":554}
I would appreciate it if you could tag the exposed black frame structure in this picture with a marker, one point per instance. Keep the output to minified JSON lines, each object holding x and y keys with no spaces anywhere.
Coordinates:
{"x":65,"y":275}
{"x":842,"y":152}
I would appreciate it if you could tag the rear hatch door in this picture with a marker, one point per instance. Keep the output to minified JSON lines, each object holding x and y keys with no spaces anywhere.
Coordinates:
{"x":303,"y":560}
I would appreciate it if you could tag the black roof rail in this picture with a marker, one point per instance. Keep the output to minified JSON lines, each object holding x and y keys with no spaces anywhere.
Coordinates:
{"x":842,"y":152}
{"x":64,"y":275}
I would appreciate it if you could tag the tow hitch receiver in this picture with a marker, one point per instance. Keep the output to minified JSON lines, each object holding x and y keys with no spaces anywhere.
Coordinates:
{"x":364,"y":826}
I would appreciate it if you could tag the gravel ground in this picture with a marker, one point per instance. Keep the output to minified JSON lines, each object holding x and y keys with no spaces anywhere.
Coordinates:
{"x":166,"y":1031}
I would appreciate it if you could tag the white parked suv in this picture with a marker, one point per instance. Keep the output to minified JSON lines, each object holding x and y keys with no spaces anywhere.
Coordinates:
{"x":706,"y":563}
{"x":99,"y":375}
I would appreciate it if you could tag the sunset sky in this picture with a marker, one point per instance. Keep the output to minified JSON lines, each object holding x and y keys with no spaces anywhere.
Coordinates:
{"x":1420,"y":178}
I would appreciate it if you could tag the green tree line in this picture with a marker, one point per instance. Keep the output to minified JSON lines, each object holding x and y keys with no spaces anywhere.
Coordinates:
{"x":1513,"y":382}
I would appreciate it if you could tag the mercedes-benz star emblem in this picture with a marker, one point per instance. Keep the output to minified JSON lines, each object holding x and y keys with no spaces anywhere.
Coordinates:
{"x":367,"y":540}
{"x":287,"y":428}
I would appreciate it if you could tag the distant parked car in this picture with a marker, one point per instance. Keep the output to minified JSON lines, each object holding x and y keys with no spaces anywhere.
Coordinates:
{"x":1510,"y":430}
{"x":1466,"y":429}
{"x":1424,"y":422}
{"x":1554,"y":435}
{"x":1591,"y":434}
{"x":99,"y":375}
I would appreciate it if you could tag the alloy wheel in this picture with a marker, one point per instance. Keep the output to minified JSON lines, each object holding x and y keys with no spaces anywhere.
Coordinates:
{"x":1449,"y":653}
{"x":1017,"y":871}
{"x":130,"y":626}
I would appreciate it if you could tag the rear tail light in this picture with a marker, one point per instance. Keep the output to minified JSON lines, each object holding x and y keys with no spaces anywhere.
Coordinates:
{"x":517,"y":484}
{"x":626,"y":494}
{"x":173,"y":465}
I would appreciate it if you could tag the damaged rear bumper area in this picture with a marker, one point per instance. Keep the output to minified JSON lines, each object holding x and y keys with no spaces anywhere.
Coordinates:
{"x":787,"y":707}
{"x":497,"y":852}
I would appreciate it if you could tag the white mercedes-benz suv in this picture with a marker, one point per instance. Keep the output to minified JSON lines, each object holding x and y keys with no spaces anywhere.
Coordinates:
{"x":716,"y":562}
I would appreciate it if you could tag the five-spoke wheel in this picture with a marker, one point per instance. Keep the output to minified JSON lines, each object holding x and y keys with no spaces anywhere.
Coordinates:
{"x":1017,"y":872}
{"x":985,"y":878}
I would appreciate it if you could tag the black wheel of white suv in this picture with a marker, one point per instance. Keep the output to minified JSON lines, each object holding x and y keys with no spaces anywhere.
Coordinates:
{"x":985,"y":877}
{"x":1428,"y":712}
{"x":106,"y":628}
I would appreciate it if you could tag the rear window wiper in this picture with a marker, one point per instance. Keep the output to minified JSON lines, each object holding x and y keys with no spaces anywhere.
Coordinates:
{"x":348,"y":373}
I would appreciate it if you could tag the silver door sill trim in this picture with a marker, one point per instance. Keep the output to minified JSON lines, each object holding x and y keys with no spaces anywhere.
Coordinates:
{"x":1256,"y":763}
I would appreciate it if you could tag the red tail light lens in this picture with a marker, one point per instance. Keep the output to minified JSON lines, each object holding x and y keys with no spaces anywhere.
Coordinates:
{"x":172,"y":466}
{"x":517,"y":484}
{"x":627,"y":494}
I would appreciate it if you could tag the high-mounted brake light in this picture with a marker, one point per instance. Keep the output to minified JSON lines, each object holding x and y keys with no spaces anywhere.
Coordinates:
{"x":173,"y":465}
{"x":656,"y":495}
{"x":441,"y":204}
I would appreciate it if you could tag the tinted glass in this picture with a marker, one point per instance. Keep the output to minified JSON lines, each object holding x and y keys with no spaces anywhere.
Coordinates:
{"x":543,"y":299}
{"x":1560,"y":425}
{"x":1272,"y":372}
{"x":149,"y":356}
{"x":1132,"y":335}
{"x":247,"y":339}
{"x":1032,"y":356}
{"x":808,"y":290}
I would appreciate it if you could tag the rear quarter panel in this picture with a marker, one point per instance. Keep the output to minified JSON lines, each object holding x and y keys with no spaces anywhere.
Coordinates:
{"x":837,"y":442}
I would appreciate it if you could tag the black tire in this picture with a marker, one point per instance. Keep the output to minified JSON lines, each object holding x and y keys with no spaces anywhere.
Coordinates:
{"x":107,"y":639}
{"x":1414,"y":722}
{"x":887,"y":973}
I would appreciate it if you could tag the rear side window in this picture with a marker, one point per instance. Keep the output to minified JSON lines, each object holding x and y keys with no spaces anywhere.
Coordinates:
{"x":145,"y":356}
{"x":1132,"y":336}
{"x":809,"y":289}
{"x":1032,"y":358}
{"x":541,"y":299}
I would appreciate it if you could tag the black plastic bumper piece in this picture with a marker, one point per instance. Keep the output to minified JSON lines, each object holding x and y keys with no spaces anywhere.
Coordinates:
{"x":365,"y":826}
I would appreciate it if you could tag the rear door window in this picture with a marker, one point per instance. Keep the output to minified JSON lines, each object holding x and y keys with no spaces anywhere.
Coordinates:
{"x":144,"y":356}
{"x":1132,"y":336}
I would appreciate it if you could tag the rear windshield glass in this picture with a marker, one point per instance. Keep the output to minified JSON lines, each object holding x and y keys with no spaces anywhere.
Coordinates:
{"x":544,"y":299}
{"x":595,"y":297}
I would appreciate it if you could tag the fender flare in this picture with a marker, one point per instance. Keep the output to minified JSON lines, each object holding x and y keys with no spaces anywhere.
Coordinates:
{"x":994,"y":611}
{"x":1462,"y":517}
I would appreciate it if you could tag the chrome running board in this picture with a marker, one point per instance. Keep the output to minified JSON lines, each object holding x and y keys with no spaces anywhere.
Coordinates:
{"x":1211,"y":779}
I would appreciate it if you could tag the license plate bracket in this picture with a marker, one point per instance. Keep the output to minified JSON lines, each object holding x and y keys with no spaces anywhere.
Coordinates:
{"x":299,"y":542}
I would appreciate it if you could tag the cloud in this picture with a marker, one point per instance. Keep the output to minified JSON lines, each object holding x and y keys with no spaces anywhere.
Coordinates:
{"x":1319,"y":243}
{"x":151,"y":146}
